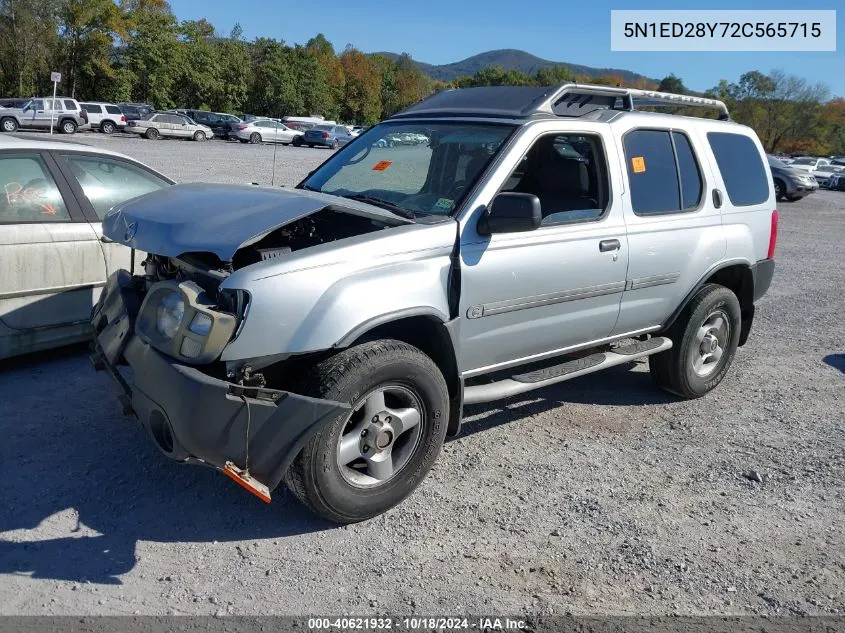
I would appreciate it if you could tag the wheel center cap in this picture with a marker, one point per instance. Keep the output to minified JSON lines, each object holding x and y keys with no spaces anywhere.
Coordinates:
{"x":709,"y":344}
{"x":384,"y":439}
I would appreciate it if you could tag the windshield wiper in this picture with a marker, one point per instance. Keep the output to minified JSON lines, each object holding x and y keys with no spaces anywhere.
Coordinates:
{"x":384,"y":204}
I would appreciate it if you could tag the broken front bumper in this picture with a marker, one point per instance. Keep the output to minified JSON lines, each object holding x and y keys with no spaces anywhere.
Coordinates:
{"x":195,"y":417}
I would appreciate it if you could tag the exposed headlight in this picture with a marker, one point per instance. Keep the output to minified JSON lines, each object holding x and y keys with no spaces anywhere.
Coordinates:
{"x":169,"y":314}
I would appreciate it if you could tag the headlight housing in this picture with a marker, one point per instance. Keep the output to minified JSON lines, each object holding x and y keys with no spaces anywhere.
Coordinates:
{"x":170,"y":313}
{"x":179,"y":319}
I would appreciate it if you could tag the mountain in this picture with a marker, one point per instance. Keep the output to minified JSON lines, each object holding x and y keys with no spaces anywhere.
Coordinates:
{"x":510,"y":59}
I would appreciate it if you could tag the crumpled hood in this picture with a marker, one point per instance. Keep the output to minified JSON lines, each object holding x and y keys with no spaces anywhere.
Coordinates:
{"x":219,"y":219}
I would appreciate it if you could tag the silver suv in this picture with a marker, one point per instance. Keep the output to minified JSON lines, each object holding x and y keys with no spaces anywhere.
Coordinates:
{"x":62,"y":113}
{"x":329,"y":335}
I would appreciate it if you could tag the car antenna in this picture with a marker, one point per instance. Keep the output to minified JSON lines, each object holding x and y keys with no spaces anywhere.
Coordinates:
{"x":273,"y":176}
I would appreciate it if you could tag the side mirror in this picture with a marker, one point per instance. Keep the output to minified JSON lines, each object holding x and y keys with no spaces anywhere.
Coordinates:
{"x":511,"y":213}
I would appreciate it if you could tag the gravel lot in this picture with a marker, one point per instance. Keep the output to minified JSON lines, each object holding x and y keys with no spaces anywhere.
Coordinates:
{"x":599,"y":496}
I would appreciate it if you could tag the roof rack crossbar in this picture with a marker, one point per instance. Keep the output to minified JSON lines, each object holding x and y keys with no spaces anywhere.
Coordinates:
{"x":629,"y":98}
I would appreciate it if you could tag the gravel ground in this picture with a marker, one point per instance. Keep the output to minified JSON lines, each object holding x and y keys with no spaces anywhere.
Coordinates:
{"x":599,"y":496}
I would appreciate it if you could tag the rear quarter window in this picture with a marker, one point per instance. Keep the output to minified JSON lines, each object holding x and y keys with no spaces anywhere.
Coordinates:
{"x":741,"y":167}
{"x":113,"y":110}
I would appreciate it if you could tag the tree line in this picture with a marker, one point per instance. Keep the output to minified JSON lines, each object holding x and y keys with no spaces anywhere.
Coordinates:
{"x":137,"y":50}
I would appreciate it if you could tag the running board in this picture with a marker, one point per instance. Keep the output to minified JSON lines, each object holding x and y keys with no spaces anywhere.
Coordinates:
{"x":521,"y":383}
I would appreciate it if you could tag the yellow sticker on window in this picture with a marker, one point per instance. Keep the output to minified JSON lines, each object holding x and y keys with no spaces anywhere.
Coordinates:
{"x":638,"y":163}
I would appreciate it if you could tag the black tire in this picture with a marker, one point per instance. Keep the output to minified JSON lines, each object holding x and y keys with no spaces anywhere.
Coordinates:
{"x":255,"y":138}
{"x":243,"y":140}
{"x":152,"y":133}
{"x":199,"y":136}
{"x":780,"y":189}
{"x":311,"y":145}
{"x":792,"y":198}
{"x":673,"y":369}
{"x":68,"y":126}
{"x":9,"y":125}
{"x":107,"y":127}
{"x":334,"y":144}
{"x":315,"y":478}
{"x":297,"y":141}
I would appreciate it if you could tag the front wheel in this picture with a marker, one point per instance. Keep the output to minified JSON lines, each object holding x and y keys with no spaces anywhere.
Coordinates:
{"x":370,"y":458}
{"x":705,"y":338}
{"x":9,"y":125}
{"x":297,"y":141}
{"x":199,"y":136}
{"x":780,"y":189}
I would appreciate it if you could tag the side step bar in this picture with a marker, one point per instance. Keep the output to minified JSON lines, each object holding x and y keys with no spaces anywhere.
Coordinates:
{"x":521,"y":383}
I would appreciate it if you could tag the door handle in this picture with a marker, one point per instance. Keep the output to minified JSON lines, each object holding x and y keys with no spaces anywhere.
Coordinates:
{"x":609,"y":245}
{"x":717,"y":198}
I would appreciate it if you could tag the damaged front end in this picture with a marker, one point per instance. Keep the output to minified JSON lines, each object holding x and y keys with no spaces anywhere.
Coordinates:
{"x":171,"y":325}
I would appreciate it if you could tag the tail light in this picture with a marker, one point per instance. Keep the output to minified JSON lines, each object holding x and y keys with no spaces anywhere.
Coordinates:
{"x":83,"y":115}
{"x":242,"y":127}
{"x":325,"y":135}
{"x":123,"y":118}
{"x":773,"y":236}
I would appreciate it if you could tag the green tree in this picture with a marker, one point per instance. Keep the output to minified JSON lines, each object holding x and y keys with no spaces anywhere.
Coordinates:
{"x":234,"y":71}
{"x":28,"y":35}
{"x":553,"y":76}
{"x":362,"y":88}
{"x":198,"y":80}
{"x":671,"y":83}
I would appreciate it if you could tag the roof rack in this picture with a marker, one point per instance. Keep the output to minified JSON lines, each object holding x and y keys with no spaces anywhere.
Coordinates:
{"x":569,"y":100}
{"x":580,"y":99}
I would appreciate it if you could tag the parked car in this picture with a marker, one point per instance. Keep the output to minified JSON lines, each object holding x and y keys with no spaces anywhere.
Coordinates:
{"x":809,"y":163}
{"x":106,"y":117}
{"x":223,"y":125}
{"x":135,"y":111}
{"x":299,"y":126}
{"x":329,"y":335}
{"x":13,"y":103}
{"x":823,"y":174}
{"x":332,"y":136}
{"x":62,"y":113}
{"x":266,"y":131}
{"x":790,"y":183}
{"x":55,"y":195}
{"x":357,"y":129}
{"x":837,"y":182}
{"x":169,"y":125}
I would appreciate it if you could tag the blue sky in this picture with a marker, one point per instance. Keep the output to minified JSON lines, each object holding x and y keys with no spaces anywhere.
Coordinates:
{"x":444,"y":31}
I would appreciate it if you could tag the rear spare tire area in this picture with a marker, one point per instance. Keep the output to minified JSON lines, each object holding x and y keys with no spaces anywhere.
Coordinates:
{"x":368,"y":459}
{"x":705,"y":337}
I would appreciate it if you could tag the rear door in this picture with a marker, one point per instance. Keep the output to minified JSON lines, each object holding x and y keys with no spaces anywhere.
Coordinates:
{"x":52,"y":265}
{"x":95,"y":113}
{"x":674,"y":226}
{"x":101,"y":182}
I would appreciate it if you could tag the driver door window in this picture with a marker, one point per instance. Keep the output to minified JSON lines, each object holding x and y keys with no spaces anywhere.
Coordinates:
{"x":568,"y":173}
{"x":29,"y":192}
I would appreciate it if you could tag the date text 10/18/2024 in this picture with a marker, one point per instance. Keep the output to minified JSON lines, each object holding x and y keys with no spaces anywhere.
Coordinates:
{"x":422,"y":623}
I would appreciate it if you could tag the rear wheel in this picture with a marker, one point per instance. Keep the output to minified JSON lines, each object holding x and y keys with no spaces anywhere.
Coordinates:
{"x":199,"y":135}
{"x":68,"y":126}
{"x":9,"y":125}
{"x":334,"y":144}
{"x":370,"y":458}
{"x":255,"y":138}
{"x":705,"y":338}
{"x":152,"y":133}
{"x":107,"y":127}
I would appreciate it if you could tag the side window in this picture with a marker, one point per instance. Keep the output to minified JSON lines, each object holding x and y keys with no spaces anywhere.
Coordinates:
{"x":92,"y":108}
{"x":568,"y":173}
{"x":662,"y":171}
{"x":29,"y":193}
{"x":742,"y":168}
{"x":38,"y":104}
{"x":113,"y":110}
{"x":71,"y":105}
{"x":108,"y":181}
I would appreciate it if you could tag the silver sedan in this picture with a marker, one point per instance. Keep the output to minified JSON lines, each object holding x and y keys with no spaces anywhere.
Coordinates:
{"x":265,"y":131}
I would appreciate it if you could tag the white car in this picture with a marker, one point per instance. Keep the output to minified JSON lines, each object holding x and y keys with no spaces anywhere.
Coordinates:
{"x":106,"y":117}
{"x":169,"y":124}
{"x":809,"y":163}
{"x":54,"y":260}
{"x":265,"y":131}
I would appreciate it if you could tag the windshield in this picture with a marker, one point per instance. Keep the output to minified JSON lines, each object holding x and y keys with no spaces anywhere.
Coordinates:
{"x":418,"y":167}
{"x":775,"y":162}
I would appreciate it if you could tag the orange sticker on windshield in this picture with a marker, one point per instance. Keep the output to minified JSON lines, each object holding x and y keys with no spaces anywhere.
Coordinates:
{"x":382,"y":165}
{"x":638,"y":163}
